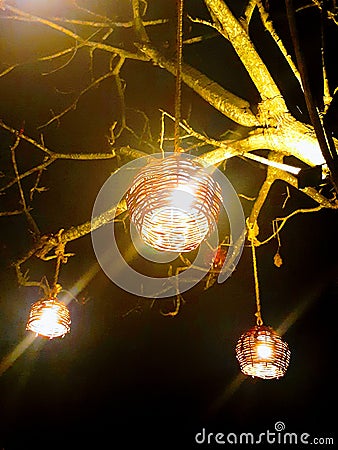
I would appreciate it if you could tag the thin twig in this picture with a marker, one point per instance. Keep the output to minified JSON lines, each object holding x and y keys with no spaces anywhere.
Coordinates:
{"x":29,"y":217}
{"x":247,"y":15}
{"x":283,"y":221}
{"x":270,"y":28}
{"x":111,"y":49}
{"x":73,"y":106}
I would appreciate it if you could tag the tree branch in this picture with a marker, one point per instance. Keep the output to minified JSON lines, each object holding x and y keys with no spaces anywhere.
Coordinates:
{"x":270,"y":28}
{"x":246,"y":17}
{"x":247,"y":53}
{"x":31,"y":222}
{"x":47,"y":243}
{"x":91,"y":44}
{"x":229,"y":104}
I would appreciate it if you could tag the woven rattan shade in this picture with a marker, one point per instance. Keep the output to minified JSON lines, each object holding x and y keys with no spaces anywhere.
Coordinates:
{"x":174,"y":204}
{"x":262,"y":353}
{"x":49,"y":318}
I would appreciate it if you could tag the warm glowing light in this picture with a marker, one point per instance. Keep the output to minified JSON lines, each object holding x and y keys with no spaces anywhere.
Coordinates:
{"x":26,"y":342}
{"x":174,"y":204}
{"x":262,"y":353}
{"x":49,"y":318}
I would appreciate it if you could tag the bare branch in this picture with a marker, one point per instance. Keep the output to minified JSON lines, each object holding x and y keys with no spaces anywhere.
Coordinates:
{"x":12,"y":213}
{"x":91,"y":44}
{"x":224,"y":101}
{"x":269,"y":26}
{"x":215,"y":26}
{"x":177,"y":305}
{"x":30,"y":220}
{"x":50,"y":156}
{"x":108,"y":23}
{"x":138,"y":22}
{"x":73,"y":106}
{"x":293,"y":138}
{"x":246,"y":17}
{"x":245,"y":50}
{"x":264,"y":191}
{"x":8,"y":70}
{"x":47,"y":243}
{"x":283,"y":221}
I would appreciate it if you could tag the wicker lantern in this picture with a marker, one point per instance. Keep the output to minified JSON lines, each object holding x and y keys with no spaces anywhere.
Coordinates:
{"x":174,"y":204}
{"x":49,"y":318}
{"x":262,"y":353}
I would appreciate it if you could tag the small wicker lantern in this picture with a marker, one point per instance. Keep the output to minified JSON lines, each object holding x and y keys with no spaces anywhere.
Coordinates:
{"x":174,"y":204}
{"x":49,"y":318}
{"x":262,"y":353}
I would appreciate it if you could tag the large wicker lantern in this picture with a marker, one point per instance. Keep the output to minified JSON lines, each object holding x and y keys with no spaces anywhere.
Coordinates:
{"x":174,"y":203}
{"x":262,"y":353}
{"x":49,"y":318}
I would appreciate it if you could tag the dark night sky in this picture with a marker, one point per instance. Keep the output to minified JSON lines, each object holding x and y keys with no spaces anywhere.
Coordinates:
{"x":121,"y":380}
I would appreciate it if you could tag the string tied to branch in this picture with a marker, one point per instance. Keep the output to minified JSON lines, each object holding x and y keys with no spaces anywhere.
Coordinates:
{"x":178,"y":90}
{"x":253,"y":231}
{"x":61,"y":257}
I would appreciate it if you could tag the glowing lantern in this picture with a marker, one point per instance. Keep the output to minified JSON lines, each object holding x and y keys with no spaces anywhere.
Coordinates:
{"x":262,"y":353}
{"x":174,"y":204}
{"x":49,"y":318}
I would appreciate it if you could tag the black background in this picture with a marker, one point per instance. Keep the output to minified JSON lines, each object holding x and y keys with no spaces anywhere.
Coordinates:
{"x":125,"y":379}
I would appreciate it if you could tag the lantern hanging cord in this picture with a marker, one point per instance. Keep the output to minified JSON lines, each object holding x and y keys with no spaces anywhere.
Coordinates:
{"x":60,"y":258}
{"x":178,"y":89}
{"x":252,"y":233}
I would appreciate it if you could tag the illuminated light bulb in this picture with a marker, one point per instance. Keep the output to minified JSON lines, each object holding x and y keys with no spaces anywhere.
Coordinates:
{"x":49,"y":318}
{"x":174,"y":204}
{"x":262,"y":353}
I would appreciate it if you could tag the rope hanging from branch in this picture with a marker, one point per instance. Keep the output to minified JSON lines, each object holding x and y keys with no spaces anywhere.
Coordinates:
{"x":252,"y":234}
{"x":60,"y":258}
{"x":178,"y":90}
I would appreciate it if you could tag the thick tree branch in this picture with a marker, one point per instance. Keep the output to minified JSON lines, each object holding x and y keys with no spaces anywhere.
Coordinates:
{"x":47,"y":243}
{"x":229,"y":104}
{"x":292,"y":139}
{"x":264,"y":190}
{"x":247,"y":53}
{"x":267,"y":22}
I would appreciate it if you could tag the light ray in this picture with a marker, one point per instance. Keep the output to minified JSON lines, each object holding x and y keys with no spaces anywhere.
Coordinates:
{"x":10,"y":359}
{"x":27,"y":341}
{"x":287,"y":323}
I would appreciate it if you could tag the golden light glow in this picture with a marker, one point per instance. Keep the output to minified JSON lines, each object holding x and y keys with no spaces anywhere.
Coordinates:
{"x":10,"y":359}
{"x":174,"y":204}
{"x":49,"y":318}
{"x":26,"y":342}
{"x":262,"y":353}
